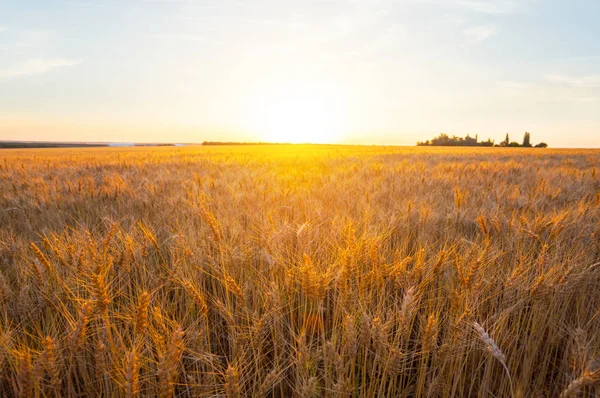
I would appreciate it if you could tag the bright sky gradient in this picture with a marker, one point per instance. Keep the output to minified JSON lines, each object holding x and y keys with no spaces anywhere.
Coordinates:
{"x":359,"y":71}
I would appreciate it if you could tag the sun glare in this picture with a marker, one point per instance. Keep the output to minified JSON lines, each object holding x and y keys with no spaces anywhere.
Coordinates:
{"x":300,"y":114}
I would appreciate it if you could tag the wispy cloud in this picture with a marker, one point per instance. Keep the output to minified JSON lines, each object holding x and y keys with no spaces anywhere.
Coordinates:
{"x":490,"y":7}
{"x":183,"y":37}
{"x":480,"y":6}
{"x":2,"y":28}
{"x":554,"y":87}
{"x":477,"y":34}
{"x":586,"y":81}
{"x":98,"y":5}
{"x":36,"y":66}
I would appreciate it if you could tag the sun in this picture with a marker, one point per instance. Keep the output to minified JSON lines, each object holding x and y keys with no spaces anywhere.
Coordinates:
{"x":300,"y":113}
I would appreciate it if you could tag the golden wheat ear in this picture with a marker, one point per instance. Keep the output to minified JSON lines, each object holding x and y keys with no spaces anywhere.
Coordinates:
{"x":232,"y":382}
{"x":587,"y":378}
{"x":131,"y":369}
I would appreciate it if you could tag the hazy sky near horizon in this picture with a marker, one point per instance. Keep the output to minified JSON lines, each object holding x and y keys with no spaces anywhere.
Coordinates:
{"x":359,"y":71}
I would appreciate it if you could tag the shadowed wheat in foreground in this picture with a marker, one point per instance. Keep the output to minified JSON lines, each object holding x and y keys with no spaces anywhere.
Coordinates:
{"x":299,"y":270}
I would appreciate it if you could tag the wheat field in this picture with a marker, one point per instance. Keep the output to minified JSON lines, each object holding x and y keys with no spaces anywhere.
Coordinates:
{"x":307,"y":271}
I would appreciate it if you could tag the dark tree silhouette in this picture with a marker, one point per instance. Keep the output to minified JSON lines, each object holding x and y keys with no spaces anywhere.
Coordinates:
{"x":527,"y":140}
{"x":445,"y":140}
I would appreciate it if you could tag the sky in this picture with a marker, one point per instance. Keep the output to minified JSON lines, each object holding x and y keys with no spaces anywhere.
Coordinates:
{"x":390,"y":72}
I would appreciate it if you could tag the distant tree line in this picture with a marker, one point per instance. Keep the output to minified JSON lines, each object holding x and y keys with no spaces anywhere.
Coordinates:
{"x":446,"y":140}
{"x":36,"y":144}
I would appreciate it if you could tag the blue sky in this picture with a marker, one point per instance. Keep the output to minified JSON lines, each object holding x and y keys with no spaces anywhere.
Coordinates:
{"x":377,"y":71}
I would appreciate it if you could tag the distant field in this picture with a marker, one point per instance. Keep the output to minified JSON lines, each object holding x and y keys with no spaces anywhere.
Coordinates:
{"x":331,"y":271}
